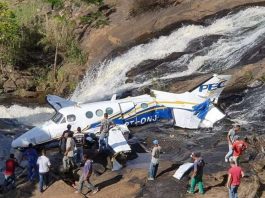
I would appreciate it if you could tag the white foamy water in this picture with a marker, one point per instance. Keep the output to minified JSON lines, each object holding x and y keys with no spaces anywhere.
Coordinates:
{"x":241,"y":32}
{"x":27,"y":115}
{"x":250,"y":112}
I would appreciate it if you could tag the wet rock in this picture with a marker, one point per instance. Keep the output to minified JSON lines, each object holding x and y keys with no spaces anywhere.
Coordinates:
{"x":152,"y":64}
{"x":201,"y":42}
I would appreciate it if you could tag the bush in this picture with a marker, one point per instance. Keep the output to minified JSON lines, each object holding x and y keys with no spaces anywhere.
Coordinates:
{"x":95,"y":19}
{"x":10,"y":36}
{"x":55,"y":3}
{"x":96,"y":2}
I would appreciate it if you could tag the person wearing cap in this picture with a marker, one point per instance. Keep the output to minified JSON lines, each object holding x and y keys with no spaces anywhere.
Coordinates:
{"x":239,"y":146}
{"x":196,"y":178}
{"x":230,"y":139}
{"x":154,"y":160}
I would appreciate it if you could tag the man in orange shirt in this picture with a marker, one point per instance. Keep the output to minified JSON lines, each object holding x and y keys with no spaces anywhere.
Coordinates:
{"x":239,"y":146}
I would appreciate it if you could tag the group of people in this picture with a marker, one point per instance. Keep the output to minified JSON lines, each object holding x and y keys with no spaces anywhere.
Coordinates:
{"x":37,"y":166}
{"x":71,"y":146}
{"x":235,"y":173}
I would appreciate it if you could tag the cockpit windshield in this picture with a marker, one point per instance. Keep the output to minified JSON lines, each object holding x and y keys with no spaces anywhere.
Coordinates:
{"x":57,"y":117}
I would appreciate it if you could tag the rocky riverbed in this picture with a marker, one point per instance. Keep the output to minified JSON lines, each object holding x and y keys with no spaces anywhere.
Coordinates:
{"x":126,"y":38}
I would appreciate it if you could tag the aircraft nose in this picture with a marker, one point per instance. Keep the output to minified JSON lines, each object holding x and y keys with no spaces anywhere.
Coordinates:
{"x":19,"y":143}
{"x":34,"y":136}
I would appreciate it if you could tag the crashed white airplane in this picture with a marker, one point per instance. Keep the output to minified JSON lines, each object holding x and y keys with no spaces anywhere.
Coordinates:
{"x":191,"y":110}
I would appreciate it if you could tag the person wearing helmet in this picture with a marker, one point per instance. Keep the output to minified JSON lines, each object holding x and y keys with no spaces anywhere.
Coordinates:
{"x":154,"y":160}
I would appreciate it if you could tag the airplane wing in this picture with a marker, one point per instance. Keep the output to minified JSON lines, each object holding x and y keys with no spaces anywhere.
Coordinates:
{"x":116,"y":139}
{"x":57,"y":102}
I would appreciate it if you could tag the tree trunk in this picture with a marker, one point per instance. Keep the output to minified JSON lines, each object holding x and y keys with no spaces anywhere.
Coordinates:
{"x":55,"y":63}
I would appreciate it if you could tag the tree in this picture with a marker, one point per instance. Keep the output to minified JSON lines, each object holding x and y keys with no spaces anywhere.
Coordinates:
{"x":58,"y":36}
{"x":9,"y":36}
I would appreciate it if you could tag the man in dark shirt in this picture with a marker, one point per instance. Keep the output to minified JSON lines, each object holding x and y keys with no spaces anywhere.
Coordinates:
{"x":197,"y":174}
{"x":31,"y":156}
{"x":62,"y":143}
{"x":79,"y":138}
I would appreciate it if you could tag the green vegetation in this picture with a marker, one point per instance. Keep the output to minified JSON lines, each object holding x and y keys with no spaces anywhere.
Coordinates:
{"x":96,"y":2}
{"x":10,"y":36}
{"x":248,"y":75}
{"x":38,"y":36}
{"x":95,"y":19}
{"x":55,"y":3}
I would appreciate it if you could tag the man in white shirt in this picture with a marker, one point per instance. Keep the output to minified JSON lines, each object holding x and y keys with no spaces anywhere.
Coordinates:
{"x":44,"y":167}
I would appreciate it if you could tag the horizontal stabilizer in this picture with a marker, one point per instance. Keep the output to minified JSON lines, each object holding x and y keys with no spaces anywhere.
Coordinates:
{"x":57,"y":102}
{"x":188,"y":119}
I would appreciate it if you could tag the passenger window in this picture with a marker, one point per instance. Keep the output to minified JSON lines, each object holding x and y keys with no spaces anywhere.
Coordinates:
{"x":109,"y":110}
{"x":89,"y":114}
{"x":144,"y":105}
{"x":99,"y":112}
{"x":71,"y":118}
{"x":63,"y":121}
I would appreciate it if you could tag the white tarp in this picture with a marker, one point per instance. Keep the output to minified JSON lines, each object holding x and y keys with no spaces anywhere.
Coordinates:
{"x":182,"y":170}
{"x":116,"y":139}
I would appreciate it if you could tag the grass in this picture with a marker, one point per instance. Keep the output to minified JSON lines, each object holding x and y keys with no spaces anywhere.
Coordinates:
{"x":27,"y":12}
{"x":95,"y":19}
{"x":96,"y":2}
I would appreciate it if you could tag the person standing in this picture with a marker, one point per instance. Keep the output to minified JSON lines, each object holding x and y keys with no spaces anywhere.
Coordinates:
{"x":79,"y":138}
{"x":154,"y":160}
{"x":235,"y":174}
{"x":85,"y":177}
{"x":62,"y":142}
{"x":44,"y":167}
{"x":239,"y":146}
{"x":230,"y":139}
{"x":104,"y":131}
{"x":197,"y":173}
{"x":69,"y":153}
{"x":31,"y":156}
{"x":9,"y":172}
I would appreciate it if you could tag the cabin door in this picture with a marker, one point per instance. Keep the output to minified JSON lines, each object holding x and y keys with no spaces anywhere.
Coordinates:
{"x":128,"y":113}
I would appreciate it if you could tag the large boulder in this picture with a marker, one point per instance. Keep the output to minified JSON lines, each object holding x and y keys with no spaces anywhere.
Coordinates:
{"x":9,"y":86}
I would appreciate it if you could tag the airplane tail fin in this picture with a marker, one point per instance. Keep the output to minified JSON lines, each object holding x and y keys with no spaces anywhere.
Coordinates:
{"x":57,"y":102}
{"x":212,"y":87}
